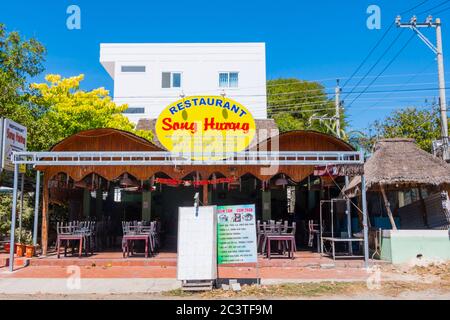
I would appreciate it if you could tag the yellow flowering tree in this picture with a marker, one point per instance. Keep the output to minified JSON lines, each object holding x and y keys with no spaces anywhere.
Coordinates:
{"x":67,"y":110}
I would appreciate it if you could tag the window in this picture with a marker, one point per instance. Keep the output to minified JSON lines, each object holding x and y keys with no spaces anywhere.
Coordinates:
{"x":135,"y":110}
{"x":290,"y":199}
{"x":117,"y":195}
{"x":171,"y":80}
{"x":133,"y":69}
{"x":228,"y":79}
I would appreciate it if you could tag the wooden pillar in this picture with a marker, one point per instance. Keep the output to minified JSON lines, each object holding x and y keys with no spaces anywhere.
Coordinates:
{"x":266,"y":205}
{"x":86,"y":203}
{"x":99,"y":204}
{"x":146,"y":205}
{"x":205,"y":195}
{"x":360,"y":214}
{"x":388,"y":207}
{"x":424,"y":207}
{"x":45,"y":215}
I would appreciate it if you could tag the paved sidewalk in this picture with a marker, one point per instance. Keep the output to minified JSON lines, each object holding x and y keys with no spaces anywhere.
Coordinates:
{"x":109,"y":273}
{"x":118,"y":280}
{"x":86,"y":286}
{"x":91,"y":272}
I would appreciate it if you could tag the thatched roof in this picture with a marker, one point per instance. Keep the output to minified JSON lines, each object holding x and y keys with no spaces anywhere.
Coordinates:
{"x":398,"y":163}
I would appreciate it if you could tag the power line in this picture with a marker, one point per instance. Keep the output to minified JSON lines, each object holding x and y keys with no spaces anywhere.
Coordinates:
{"x":317,"y":96}
{"x":385,"y":68}
{"x":366,"y":108}
{"x":369,"y":54}
{"x":400,"y":90}
{"x":376,"y":63}
{"x":432,"y":8}
{"x":379,"y":42}
{"x":440,"y":11}
{"x":415,"y":7}
{"x":406,"y":83}
{"x":296,"y":108}
{"x":321,"y":95}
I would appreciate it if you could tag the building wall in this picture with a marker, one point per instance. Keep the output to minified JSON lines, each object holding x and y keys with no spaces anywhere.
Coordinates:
{"x":407,"y":246}
{"x":199,"y":65}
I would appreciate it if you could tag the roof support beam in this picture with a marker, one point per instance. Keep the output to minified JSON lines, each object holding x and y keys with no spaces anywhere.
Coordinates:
{"x":158,"y":158}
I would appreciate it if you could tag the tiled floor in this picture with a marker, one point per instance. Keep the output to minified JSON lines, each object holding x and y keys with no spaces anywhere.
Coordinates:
{"x":306,"y":265}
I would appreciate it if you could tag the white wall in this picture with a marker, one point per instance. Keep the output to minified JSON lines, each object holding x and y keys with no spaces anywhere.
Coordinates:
{"x":199,"y":63}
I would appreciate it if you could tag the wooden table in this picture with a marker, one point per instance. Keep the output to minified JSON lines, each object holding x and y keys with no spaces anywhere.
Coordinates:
{"x":287,"y":238}
{"x":69,"y":237}
{"x":333,"y":249}
{"x":134,"y":237}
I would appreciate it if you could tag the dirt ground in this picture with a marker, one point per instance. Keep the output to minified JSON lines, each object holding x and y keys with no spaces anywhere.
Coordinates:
{"x":431,"y":282}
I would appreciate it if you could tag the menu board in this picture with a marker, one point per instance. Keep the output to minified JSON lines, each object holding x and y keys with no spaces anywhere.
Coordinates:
{"x":196,"y":258}
{"x":236,"y":234}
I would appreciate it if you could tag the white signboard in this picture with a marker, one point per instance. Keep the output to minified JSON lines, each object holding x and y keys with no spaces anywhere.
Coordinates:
{"x":14,"y":139}
{"x":236,"y":234}
{"x":197,"y":255}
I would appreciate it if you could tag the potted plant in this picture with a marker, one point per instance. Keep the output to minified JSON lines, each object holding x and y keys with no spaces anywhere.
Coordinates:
{"x":20,"y":245}
{"x":5,"y":227}
{"x":7,"y":247}
{"x":20,"y":249}
{"x":29,"y":247}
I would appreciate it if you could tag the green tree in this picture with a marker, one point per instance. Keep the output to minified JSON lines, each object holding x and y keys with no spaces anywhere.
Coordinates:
{"x":297,"y":104}
{"x":422,"y":125}
{"x":68,"y":110}
{"x":5,"y":213}
{"x":20,"y":59}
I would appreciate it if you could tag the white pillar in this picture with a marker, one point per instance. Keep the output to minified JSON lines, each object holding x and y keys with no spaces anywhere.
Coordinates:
{"x":365,"y":223}
{"x":36,"y":207}
{"x":13,"y":218}
{"x":349,"y":218}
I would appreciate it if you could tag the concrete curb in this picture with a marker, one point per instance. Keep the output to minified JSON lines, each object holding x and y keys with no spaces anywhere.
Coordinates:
{"x":86,"y":286}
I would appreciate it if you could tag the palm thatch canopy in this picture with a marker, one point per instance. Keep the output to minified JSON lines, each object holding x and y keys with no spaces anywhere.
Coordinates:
{"x":399,"y":163}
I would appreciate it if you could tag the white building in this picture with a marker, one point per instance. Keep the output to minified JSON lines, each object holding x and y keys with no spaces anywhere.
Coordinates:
{"x":149,"y":76}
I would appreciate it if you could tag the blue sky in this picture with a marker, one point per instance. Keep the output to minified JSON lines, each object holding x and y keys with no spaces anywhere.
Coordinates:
{"x":311,"y":40}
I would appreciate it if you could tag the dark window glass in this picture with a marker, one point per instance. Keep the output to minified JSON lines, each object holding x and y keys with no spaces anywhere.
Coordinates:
{"x":165,"y":80}
{"x":133,"y":68}
{"x":233,"y":79}
{"x":176,"y":80}
{"x":135,"y":110}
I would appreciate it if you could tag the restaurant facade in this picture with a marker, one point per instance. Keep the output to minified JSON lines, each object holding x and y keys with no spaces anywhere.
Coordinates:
{"x":110,"y":194}
{"x":212,"y":141}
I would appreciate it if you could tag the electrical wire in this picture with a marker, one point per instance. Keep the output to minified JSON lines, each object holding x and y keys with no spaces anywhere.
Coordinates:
{"x":332,"y":109}
{"x":440,"y":11}
{"x":406,"y":83}
{"x":376,"y":63}
{"x":369,"y":54}
{"x":379,"y":42}
{"x":384,"y":69}
{"x":435,"y":7}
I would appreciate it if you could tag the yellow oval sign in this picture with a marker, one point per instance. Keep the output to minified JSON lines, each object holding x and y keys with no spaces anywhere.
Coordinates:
{"x":205,"y":127}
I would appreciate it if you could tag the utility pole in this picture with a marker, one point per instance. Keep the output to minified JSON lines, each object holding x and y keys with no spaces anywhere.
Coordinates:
{"x":337,"y":95}
{"x":336,"y":117}
{"x":413,"y":25}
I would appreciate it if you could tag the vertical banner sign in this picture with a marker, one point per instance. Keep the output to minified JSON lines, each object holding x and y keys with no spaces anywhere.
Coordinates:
{"x":236,"y":234}
{"x":14,"y":139}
